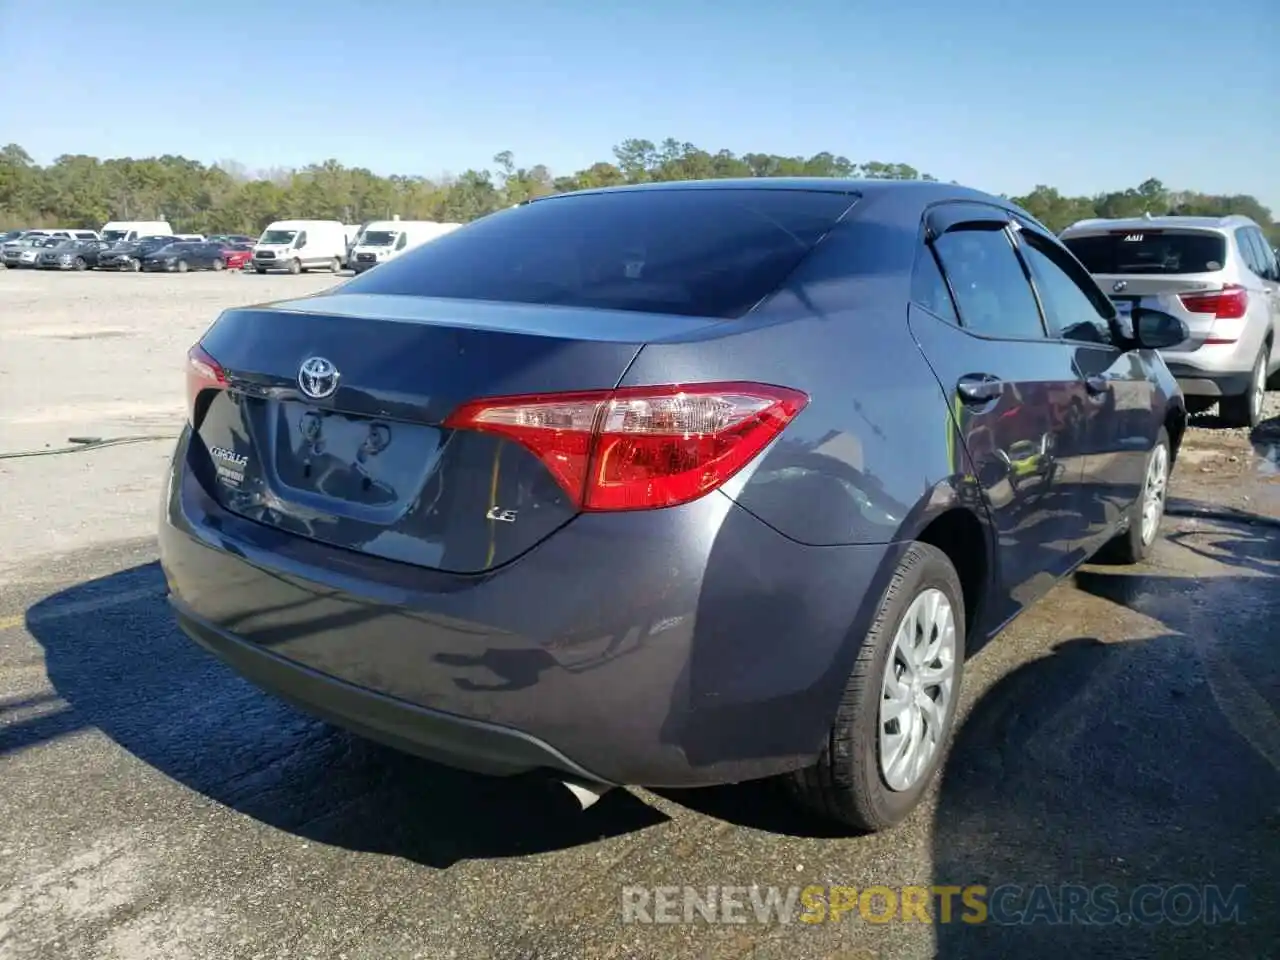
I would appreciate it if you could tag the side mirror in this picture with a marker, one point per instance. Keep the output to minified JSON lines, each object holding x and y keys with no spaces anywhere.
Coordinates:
{"x":1157,"y":330}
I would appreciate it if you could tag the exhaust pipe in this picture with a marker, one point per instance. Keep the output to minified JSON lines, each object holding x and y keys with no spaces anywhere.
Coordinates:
{"x":585,"y":793}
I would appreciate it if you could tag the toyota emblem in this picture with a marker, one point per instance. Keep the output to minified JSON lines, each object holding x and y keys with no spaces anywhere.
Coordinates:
{"x":318,"y":378}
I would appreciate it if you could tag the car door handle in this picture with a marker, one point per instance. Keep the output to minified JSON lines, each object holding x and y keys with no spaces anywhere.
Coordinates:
{"x":979,"y":387}
{"x":1096,"y":385}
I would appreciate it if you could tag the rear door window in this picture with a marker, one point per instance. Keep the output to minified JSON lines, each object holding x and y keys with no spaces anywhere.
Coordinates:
{"x":1153,"y":251}
{"x":992,"y":292}
{"x":696,"y":252}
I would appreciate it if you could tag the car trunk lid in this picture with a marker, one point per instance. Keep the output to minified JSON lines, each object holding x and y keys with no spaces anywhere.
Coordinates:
{"x":364,"y":462}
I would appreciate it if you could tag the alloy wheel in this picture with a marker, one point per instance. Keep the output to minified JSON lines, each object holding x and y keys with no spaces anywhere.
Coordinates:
{"x":919,"y":681}
{"x":1153,"y":494}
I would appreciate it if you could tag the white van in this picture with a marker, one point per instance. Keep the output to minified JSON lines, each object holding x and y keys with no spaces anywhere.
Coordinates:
{"x":300,"y":245}
{"x":127,"y":231}
{"x":385,"y":240}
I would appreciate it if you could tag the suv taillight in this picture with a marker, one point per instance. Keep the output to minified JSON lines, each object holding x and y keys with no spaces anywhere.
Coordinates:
{"x":639,"y":448}
{"x":1229,"y":303}
{"x":203,"y":373}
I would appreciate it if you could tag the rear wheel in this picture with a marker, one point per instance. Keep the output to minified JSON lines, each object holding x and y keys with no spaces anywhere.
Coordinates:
{"x":295,"y":266}
{"x":1147,"y":511}
{"x":219,"y":265}
{"x":259,"y":269}
{"x":894,"y":723}
{"x":335,"y":266}
{"x":1245,"y":410}
{"x":79,"y":263}
{"x":183,"y":267}
{"x":135,"y":265}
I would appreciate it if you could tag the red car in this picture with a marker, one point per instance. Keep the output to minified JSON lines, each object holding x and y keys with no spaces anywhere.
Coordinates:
{"x":236,"y":256}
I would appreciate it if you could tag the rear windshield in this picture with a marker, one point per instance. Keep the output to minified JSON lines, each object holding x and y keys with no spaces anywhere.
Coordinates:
{"x":1150,"y":251}
{"x":707,"y":253}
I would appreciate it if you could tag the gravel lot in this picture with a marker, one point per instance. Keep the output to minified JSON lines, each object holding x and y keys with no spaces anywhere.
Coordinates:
{"x":152,"y":805}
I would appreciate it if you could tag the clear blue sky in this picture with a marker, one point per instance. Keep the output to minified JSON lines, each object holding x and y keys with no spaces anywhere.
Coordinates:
{"x":1086,"y":95}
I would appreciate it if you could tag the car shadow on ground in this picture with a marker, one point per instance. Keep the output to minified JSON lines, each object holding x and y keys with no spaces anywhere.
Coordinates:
{"x":1126,"y":770}
{"x":128,"y":671}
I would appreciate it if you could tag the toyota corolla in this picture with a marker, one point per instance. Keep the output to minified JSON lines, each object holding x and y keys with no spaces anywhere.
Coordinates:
{"x":672,"y":485}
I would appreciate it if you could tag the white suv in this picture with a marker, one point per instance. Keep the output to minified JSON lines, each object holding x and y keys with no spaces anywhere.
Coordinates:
{"x":1220,"y":275}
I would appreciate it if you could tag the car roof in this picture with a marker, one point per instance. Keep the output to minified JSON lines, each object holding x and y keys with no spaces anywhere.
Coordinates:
{"x":1147,"y":223}
{"x":866,"y":188}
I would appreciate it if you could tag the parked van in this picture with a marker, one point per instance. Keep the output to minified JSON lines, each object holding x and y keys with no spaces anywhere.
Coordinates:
{"x":127,"y":231}
{"x":385,"y":240}
{"x":300,"y":245}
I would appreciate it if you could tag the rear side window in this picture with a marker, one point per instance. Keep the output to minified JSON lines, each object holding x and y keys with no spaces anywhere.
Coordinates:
{"x":701,"y":252}
{"x":1254,"y":250}
{"x":991,"y":289}
{"x":1150,"y":251}
{"x":1268,"y":255}
{"x":929,"y":289}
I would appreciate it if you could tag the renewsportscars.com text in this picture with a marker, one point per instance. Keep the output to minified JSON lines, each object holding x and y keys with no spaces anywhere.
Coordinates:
{"x":1007,"y":904}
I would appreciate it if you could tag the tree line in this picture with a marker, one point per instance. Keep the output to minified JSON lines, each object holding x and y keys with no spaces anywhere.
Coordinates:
{"x":76,"y":190}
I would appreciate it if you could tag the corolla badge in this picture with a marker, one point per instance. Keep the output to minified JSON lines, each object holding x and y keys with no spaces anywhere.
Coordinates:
{"x":318,"y":378}
{"x":1119,"y":285}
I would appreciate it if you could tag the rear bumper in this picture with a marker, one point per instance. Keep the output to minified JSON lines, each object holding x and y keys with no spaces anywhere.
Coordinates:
{"x":680,"y":647}
{"x":1197,"y":382}
{"x":451,"y":740}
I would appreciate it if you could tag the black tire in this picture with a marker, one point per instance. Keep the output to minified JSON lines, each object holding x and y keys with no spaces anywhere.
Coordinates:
{"x":335,"y":266}
{"x":79,"y":263}
{"x":259,"y":269}
{"x":1130,"y":547}
{"x":1245,"y":410}
{"x":136,"y":266}
{"x":846,"y":784}
{"x":295,"y":267}
{"x":183,"y":266}
{"x":218,"y":265}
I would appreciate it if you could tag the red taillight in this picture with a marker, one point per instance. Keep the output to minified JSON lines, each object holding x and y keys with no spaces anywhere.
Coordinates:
{"x":638,"y":448}
{"x":1229,"y":303}
{"x":203,"y":373}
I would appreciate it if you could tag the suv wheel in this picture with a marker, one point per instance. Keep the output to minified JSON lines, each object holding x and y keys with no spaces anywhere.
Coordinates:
{"x":295,"y":266}
{"x":894,"y":723}
{"x":1245,"y":410}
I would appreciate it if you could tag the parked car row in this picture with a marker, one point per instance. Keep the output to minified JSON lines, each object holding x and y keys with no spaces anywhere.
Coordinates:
{"x":169,"y":253}
{"x":295,"y":246}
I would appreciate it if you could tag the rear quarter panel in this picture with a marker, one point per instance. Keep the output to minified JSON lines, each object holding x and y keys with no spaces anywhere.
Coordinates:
{"x":870,"y":459}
